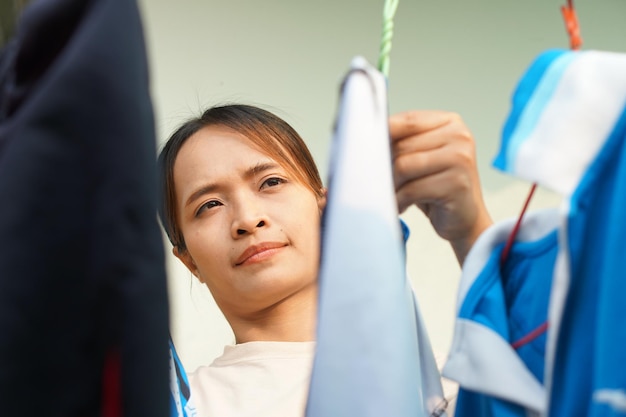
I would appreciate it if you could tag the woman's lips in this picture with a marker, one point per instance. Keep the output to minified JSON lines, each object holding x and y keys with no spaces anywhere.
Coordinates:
{"x":258,"y":253}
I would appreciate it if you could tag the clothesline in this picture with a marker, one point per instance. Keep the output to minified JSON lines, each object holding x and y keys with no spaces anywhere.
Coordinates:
{"x":389,"y":12}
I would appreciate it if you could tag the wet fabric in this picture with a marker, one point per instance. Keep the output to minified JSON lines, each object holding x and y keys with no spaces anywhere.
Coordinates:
{"x":373,"y":356}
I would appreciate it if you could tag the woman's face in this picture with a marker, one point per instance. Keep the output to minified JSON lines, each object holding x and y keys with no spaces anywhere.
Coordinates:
{"x":252,"y":231}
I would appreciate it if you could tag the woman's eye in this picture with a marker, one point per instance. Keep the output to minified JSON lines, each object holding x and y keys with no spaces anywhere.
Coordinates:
{"x":272,"y":182}
{"x":208,"y":205}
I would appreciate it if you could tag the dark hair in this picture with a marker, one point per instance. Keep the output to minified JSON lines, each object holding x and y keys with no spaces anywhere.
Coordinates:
{"x":270,"y":133}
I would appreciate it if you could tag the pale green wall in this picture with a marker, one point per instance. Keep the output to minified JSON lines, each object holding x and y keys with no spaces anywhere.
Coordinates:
{"x":290,"y":55}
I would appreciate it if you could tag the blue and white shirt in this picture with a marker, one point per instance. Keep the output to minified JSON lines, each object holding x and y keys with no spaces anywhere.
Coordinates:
{"x":566,"y":132}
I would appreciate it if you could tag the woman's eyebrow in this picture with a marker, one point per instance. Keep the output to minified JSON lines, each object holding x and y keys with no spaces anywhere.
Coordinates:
{"x":259,"y":168}
{"x":206,"y":189}
{"x":248,"y":174}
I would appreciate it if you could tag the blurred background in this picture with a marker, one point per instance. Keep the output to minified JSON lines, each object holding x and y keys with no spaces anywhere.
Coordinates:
{"x":289,"y":56}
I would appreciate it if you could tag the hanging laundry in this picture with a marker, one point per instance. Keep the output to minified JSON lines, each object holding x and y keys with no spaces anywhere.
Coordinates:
{"x":181,"y":404}
{"x":83,"y":301}
{"x":567,"y":132}
{"x":495,"y":309}
{"x":373,"y":356}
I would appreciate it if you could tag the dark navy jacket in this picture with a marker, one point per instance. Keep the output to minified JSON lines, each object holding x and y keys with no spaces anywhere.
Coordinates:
{"x":82,"y":279}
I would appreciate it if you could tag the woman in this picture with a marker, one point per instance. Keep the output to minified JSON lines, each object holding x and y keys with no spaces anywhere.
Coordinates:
{"x":242,"y":207}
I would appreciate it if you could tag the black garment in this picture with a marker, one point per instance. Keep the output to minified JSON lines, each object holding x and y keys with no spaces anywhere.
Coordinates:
{"x":82,"y":275}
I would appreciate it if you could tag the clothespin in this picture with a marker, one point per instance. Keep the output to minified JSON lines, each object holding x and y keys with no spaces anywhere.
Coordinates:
{"x":571,"y":25}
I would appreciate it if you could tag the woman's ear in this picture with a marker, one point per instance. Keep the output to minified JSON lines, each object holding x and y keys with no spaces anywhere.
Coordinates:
{"x":186,"y":259}
{"x":321,"y":200}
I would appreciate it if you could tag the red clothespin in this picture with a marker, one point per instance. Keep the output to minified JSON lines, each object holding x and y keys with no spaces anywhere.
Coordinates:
{"x":571,"y":25}
{"x":573,"y":31}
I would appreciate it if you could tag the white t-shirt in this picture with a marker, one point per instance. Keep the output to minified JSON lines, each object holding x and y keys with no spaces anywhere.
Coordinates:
{"x":262,"y":379}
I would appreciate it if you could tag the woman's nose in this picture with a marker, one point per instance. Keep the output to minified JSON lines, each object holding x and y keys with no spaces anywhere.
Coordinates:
{"x":248,"y":218}
{"x":244,"y":231}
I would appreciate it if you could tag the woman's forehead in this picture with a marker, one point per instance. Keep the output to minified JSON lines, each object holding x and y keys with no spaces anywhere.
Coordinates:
{"x":224,"y":146}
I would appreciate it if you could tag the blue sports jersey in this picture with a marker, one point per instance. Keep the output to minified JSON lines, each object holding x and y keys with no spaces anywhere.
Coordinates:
{"x":566,"y":132}
{"x":499,"y":306}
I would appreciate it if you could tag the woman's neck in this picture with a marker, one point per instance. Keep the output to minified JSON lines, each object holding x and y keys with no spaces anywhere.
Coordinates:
{"x":290,"y":320}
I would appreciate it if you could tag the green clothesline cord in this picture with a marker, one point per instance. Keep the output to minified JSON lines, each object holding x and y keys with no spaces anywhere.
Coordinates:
{"x":385,"y":44}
